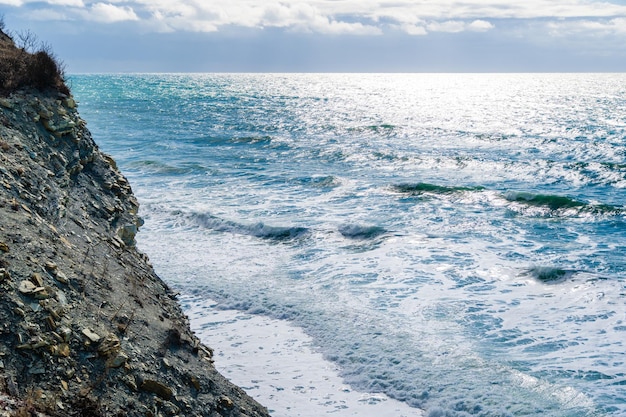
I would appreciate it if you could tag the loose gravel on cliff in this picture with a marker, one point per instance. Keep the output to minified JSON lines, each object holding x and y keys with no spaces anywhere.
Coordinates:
{"x":86,"y":327}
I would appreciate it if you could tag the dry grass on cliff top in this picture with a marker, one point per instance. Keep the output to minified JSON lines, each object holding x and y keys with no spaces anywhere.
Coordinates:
{"x":28,"y":63}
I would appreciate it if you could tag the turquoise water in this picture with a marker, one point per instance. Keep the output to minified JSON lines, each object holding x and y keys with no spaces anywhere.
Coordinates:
{"x":454,"y":241}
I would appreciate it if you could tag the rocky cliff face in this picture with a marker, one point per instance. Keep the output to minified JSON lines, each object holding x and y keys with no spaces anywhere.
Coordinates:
{"x":86,"y":327}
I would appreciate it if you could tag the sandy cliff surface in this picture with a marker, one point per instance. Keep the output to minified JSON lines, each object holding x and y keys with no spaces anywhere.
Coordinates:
{"x":86,"y":327}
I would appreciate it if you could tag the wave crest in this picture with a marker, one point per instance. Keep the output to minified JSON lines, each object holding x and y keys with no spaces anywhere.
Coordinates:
{"x":553,"y":202}
{"x":560,"y":203}
{"x":426,"y":188}
{"x":328,"y":181}
{"x":549,"y":274}
{"x":518,"y":201}
{"x":259,"y":230}
{"x":358,"y":232}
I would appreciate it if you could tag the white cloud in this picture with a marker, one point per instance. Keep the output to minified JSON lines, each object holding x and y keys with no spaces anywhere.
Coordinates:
{"x":98,"y":12}
{"x":366,"y":16}
{"x":47,"y":15}
{"x":109,"y":13}
{"x":73,"y":3}
{"x":359,"y":17}
{"x":200,"y":16}
{"x":414,"y":30}
{"x":18,"y":3}
{"x":444,"y":10}
{"x":310,"y":19}
{"x":585,"y":27}
{"x":480,"y":26}
{"x":450,"y":26}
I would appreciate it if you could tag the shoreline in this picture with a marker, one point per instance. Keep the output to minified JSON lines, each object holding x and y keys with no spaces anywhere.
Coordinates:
{"x":278,"y":365}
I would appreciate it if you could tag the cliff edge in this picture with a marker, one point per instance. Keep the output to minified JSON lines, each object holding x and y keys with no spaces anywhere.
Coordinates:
{"x":86,"y":326}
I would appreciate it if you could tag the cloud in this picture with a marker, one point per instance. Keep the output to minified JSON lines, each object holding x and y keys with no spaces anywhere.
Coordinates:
{"x":304,"y":17}
{"x":47,"y":15}
{"x":450,"y":26}
{"x":98,"y":12}
{"x":469,"y":10}
{"x":415,"y":30}
{"x":73,"y":3}
{"x":337,"y":17}
{"x":200,"y":16}
{"x":109,"y":13}
{"x":480,"y":26}
{"x":585,"y":27}
{"x":19,"y":3}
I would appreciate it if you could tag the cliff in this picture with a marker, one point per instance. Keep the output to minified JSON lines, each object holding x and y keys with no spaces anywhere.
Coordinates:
{"x":86,"y":326}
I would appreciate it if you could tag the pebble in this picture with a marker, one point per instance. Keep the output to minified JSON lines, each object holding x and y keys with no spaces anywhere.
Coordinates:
{"x":119,"y":360}
{"x":91,"y":335}
{"x":45,"y":114}
{"x":4,"y":247}
{"x":61,"y":277}
{"x":69,"y":103}
{"x":169,"y":408}
{"x":41,"y":293}
{"x":37,"y":370}
{"x":65,"y":333}
{"x":130,"y":381}
{"x":6,"y":103}
{"x":226,"y":402}
{"x":61,"y":298}
{"x":195,"y":382}
{"x":157,"y":388}
{"x":61,"y":350}
{"x":127,"y":234}
{"x":109,"y":346}
{"x":27,"y":287}
{"x":37,"y":279}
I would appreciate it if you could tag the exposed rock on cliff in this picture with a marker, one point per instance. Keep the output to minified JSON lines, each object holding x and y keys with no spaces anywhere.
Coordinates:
{"x":86,"y":327}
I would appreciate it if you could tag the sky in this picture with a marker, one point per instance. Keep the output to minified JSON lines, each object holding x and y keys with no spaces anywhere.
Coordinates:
{"x":327,"y":35}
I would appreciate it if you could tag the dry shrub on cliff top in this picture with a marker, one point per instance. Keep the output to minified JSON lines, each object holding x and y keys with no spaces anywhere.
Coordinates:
{"x":28,"y":64}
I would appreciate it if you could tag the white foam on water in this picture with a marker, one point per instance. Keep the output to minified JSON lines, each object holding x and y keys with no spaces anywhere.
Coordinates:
{"x":276,"y":364}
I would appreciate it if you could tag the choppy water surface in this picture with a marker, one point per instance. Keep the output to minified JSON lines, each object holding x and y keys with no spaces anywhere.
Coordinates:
{"x":456,"y":242}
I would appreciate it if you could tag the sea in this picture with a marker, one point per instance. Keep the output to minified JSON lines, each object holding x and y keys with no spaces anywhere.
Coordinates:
{"x":387,"y":245}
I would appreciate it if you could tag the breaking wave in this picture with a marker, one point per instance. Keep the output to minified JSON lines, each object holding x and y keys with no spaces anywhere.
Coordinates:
{"x":358,"y":232}
{"x":559,"y":203}
{"x":328,"y":181}
{"x":426,"y":188}
{"x":545,"y":204}
{"x":259,"y":230}
{"x":549,"y":274}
